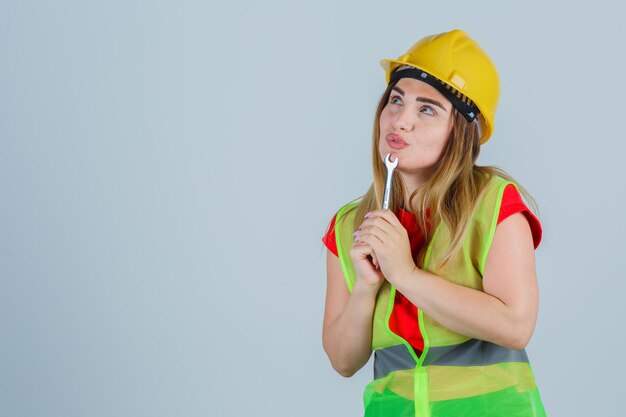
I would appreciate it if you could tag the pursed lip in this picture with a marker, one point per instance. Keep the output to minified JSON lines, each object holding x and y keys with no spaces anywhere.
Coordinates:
{"x":392,"y":137}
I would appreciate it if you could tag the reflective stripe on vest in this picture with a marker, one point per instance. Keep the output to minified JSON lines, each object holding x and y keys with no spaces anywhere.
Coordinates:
{"x":474,"y":352}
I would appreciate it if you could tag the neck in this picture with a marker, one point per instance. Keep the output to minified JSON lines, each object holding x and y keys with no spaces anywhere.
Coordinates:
{"x":411,"y":182}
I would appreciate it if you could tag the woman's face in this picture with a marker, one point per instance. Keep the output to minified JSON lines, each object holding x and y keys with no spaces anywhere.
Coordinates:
{"x":422,"y":117}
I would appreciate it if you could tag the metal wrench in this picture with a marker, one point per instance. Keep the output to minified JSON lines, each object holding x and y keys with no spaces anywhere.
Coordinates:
{"x":391,"y":166}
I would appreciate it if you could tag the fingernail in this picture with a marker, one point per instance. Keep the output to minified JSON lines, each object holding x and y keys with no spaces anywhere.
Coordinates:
{"x":367,"y":214}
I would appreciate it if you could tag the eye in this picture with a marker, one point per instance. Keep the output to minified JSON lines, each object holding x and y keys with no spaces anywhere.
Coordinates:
{"x":428,"y":110}
{"x":393,"y":98}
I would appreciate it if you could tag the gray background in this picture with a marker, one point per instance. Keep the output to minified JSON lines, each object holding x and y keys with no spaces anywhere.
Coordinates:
{"x":167,"y":170}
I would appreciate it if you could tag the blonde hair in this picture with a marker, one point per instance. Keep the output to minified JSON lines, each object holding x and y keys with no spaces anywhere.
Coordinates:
{"x":450,"y":193}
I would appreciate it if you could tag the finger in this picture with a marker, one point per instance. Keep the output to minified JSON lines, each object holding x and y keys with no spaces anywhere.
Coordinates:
{"x":374,"y":225}
{"x":381,"y":220}
{"x":363,"y":247}
{"x":372,"y":241}
{"x":360,"y":251}
{"x":375,"y":261}
{"x":367,"y":233}
{"x":386,"y":214}
{"x":364,"y":230}
{"x":387,"y":222}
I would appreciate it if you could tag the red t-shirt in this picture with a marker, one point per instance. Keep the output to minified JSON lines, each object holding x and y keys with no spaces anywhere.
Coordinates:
{"x":403,"y":319}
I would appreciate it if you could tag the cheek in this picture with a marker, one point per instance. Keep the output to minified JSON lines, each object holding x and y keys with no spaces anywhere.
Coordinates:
{"x":444,"y":131}
{"x":381,"y":148}
{"x":434,"y":143}
{"x":387,"y":114}
{"x":384,"y":119}
{"x":436,"y":137}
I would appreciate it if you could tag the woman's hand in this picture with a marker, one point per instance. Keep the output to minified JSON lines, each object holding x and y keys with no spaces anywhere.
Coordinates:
{"x":367,"y":275}
{"x":388,"y":242}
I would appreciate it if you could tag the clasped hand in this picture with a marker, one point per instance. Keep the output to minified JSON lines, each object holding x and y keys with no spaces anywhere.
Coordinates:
{"x":388,"y":244}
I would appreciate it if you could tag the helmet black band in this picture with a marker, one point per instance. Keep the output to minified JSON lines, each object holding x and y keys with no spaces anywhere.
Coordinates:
{"x":461,"y":102}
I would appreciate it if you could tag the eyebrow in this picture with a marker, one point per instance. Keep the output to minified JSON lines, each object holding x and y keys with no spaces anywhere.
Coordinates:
{"x":424,"y":99}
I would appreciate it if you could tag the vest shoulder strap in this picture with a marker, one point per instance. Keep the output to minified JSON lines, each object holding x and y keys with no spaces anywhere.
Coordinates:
{"x":486,"y":216}
{"x":344,"y":227}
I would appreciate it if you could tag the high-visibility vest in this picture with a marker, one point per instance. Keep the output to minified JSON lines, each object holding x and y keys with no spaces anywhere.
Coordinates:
{"x":455,"y":375}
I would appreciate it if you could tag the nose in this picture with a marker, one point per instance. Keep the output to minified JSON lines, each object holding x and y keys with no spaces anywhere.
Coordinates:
{"x":403,"y":119}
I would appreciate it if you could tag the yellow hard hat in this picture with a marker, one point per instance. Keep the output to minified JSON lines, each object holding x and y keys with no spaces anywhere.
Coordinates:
{"x":457,"y":60}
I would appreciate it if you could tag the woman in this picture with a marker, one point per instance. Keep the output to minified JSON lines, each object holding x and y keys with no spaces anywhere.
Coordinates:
{"x":442,"y":286}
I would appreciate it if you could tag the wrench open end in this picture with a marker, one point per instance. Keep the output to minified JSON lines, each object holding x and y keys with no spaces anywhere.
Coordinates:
{"x":391,"y":166}
{"x":389,"y":163}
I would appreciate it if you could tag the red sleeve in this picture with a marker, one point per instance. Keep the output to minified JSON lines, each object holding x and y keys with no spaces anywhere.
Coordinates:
{"x":329,"y":238}
{"x":512,"y":203}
